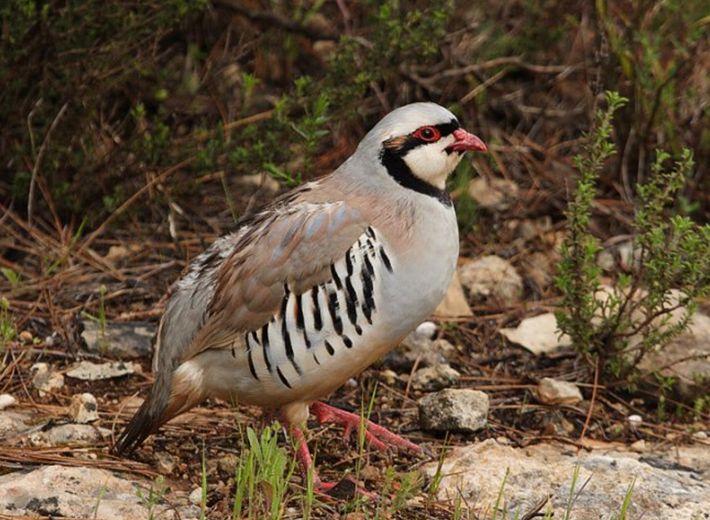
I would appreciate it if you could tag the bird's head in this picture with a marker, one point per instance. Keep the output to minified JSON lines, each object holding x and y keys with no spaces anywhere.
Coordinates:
{"x":420,"y":145}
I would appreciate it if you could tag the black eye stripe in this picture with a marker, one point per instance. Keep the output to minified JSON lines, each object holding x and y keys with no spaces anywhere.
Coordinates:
{"x":448,"y":128}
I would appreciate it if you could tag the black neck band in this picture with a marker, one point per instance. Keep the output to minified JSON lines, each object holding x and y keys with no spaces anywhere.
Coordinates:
{"x":400,"y":172}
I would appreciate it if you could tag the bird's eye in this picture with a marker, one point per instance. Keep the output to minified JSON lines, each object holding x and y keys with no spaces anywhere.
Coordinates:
{"x":428,"y":134}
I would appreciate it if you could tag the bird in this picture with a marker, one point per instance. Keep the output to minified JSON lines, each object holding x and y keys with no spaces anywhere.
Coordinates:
{"x":311,"y":290}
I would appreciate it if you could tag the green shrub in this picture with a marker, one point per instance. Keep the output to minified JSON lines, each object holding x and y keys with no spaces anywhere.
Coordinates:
{"x":653,"y":303}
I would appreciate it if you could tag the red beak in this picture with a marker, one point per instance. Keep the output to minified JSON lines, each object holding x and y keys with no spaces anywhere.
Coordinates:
{"x":466,"y":141}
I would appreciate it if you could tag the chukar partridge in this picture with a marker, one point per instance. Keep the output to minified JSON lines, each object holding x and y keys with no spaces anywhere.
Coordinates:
{"x":314,"y":288}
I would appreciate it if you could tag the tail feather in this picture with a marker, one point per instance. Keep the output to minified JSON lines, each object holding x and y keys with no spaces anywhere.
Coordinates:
{"x":149,"y":417}
{"x":172,"y":394}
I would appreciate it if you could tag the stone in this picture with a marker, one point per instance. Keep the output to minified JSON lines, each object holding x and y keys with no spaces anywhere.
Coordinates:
{"x":83,"y":408}
{"x":686,"y":358}
{"x":165,"y":462}
{"x":622,"y":256}
{"x":551,"y":391}
{"x":638,"y":446}
{"x":195,"y":496}
{"x":493,"y":194}
{"x":389,"y":376}
{"x":260,"y":180}
{"x":82,"y":492}
{"x":228,"y":463}
{"x":12,"y":423}
{"x":673,"y":486}
{"x":435,"y":377}
{"x":122,"y":340}
{"x":539,"y":334}
{"x":454,"y":304}
{"x":426,"y":329}
{"x":44,"y":379}
{"x":89,"y":371}
{"x":6,"y":400}
{"x":491,"y":279}
{"x":418,"y":347}
{"x":634,"y":420}
{"x":458,"y":410}
{"x":77,"y":435}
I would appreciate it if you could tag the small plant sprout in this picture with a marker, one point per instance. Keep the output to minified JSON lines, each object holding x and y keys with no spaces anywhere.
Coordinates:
{"x":12,"y":276}
{"x":7,"y":327}
{"x":262,"y":476}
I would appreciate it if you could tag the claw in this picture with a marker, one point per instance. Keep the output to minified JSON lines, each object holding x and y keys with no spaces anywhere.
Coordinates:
{"x":376,"y":436}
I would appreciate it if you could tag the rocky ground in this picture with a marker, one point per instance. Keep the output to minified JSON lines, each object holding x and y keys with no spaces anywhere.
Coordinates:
{"x":557,"y":452}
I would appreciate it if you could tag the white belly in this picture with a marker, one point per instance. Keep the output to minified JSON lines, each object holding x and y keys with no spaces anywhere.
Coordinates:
{"x":407,"y":283}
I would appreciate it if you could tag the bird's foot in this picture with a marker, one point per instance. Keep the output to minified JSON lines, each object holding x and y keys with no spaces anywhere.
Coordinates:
{"x":377,"y":436}
{"x":345,"y":489}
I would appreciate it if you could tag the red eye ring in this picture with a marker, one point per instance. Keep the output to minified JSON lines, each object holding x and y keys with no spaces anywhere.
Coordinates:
{"x":428,"y":134}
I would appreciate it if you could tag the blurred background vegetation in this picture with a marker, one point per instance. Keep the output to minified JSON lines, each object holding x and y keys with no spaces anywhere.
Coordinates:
{"x":100,"y":96}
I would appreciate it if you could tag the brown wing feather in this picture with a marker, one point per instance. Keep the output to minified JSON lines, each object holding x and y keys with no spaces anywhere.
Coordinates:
{"x":237,"y":285}
{"x":296,"y":248}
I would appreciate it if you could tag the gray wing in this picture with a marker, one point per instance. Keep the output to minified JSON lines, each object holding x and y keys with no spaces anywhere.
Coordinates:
{"x":237,"y":285}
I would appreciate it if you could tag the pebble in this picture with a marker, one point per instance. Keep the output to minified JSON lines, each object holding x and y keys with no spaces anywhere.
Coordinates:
{"x":634,"y":420}
{"x":435,"y":377}
{"x":44,"y":379}
{"x":83,"y":408}
{"x":553,"y":392}
{"x":460,"y":410}
{"x":491,"y":279}
{"x":165,"y":462}
{"x":6,"y":400}
{"x":195,"y":496}
{"x":88,"y":371}
{"x":426,"y":329}
{"x":389,"y":376}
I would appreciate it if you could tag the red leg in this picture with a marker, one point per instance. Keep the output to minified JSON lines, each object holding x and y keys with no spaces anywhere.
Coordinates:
{"x":304,"y":456}
{"x":376,"y":435}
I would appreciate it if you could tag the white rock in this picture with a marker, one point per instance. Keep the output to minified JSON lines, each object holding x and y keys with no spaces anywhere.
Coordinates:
{"x":686,"y":359}
{"x":165,"y":462}
{"x":83,"y":408}
{"x":195,"y":496}
{"x":454,"y":304}
{"x":639,"y":446}
{"x":389,"y":376}
{"x":417,"y":348}
{"x":88,"y":371}
{"x":44,"y":379}
{"x":551,"y":391}
{"x":475,"y":474}
{"x":491,"y":279}
{"x":13,"y":422}
{"x":6,"y":400}
{"x":435,"y":377}
{"x":460,"y":410}
{"x":124,"y":340}
{"x":69,"y":435}
{"x":75,"y":492}
{"x":538,"y":334}
{"x":259,"y":180}
{"x":634,"y":420}
{"x":426,"y":329}
{"x":494,"y":194}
